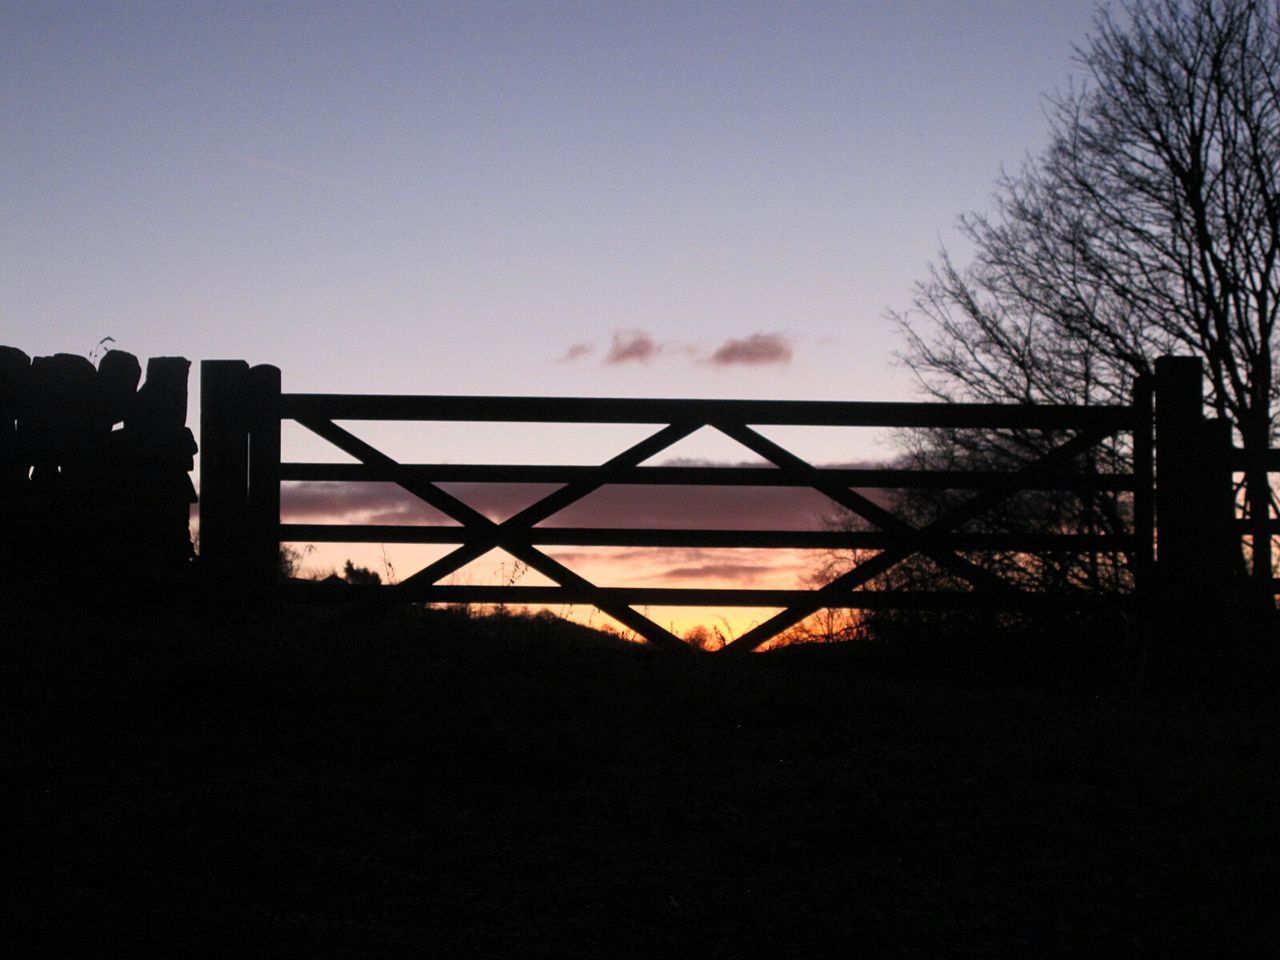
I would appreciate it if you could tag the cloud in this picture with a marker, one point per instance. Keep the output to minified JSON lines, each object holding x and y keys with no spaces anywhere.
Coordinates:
{"x":694,"y":508}
{"x":621,"y":506}
{"x":687,"y":566}
{"x":632,"y":346}
{"x":310,"y":502}
{"x":755,"y":350}
{"x":704,"y":462}
{"x":638,"y":346}
{"x":577,"y":351}
{"x":727,"y":572}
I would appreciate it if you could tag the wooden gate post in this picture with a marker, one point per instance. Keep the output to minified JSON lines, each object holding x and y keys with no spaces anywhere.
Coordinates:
{"x":1197,"y":553}
{"x":1144,"y":506}
{"x":224,"y":469}
{"x":263,"y":540}
{"x":1179,"y":419}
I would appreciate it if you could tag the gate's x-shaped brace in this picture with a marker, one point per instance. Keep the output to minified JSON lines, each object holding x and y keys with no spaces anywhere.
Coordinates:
{"x":512,"y":534}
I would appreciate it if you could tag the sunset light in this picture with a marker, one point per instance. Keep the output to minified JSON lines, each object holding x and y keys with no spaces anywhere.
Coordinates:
{"x":640,"y":479}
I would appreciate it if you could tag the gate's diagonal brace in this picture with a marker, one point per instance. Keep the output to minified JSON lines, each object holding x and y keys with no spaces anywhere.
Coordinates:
{"x":548,"y":506}
{"x":605,"y":474}
{"x":881,"y":562}
{"x":443,"y":501}
{"x":484,"y":534}
{"x":785,"y":619}
{"x":653,"y":632}
{"x":349,"y":443}
{"x":913,"y":539}
{"x":1054,"y":460}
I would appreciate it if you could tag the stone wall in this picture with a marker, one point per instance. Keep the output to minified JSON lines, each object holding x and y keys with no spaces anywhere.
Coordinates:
{"x":94,"y":469}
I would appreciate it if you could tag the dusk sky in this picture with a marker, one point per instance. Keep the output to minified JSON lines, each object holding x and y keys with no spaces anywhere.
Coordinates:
{"x":634,"y":199}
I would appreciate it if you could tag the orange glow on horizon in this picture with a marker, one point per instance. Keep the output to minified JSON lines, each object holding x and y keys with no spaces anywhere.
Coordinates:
{"x":604,"y":566}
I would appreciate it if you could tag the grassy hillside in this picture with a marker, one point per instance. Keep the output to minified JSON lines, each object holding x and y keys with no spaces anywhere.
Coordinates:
{"x":299,"y":785}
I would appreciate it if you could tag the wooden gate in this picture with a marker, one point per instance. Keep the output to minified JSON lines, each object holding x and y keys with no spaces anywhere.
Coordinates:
{"x":243,"y":407}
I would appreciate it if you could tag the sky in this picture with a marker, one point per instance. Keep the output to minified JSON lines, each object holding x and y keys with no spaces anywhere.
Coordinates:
{"x":630,"y":199}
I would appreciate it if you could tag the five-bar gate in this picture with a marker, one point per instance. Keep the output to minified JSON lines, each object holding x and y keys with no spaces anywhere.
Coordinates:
{"x":242,"y":410}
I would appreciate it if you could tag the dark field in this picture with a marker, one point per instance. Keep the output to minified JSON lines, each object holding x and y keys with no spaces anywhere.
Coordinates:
{"x":437,"y":786}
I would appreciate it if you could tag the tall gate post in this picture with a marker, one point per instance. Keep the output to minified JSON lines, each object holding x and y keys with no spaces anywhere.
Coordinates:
{"x":1179,"y":418}
{"x":224,"y":468}
{"x":263,"y":535}
{"x":1197,"y":556}
{"x":1144,"y":507}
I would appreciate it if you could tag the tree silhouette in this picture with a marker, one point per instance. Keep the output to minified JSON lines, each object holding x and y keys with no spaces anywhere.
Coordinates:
{"x":1150,"y":225}
{"x":360,"y":576}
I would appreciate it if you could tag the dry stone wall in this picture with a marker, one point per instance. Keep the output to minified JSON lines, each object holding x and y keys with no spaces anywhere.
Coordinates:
{"x":95,"y":468}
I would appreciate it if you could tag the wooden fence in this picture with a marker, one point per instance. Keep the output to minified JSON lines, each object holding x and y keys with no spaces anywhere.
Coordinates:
{"x":1199,"y":548}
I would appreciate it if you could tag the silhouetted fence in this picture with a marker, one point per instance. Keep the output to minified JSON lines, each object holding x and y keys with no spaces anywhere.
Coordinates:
{"x":1199,"y":556}
{"x":94,"y":482}
{"x":94,"y":470}
{"x":1258,"y":521}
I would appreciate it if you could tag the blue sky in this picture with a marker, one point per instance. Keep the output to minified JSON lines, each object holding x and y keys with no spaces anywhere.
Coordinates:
{"x":448,"y":197}
{"x":498,"y":197}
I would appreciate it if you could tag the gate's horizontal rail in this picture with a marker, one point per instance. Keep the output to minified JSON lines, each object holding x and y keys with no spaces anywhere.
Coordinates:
{"x":1258,"y":524}
{"x":1239,"y":459}
{"x":776,"y":539}
{"x":1249,"y":525}
{"x":682,"y":597}
{"x":835,"y":413}
{"x":764,"y":476}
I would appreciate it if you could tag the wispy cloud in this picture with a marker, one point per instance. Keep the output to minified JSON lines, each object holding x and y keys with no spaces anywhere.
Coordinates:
{"x":354,"y":503}
{"x":705,"y":462}
{"x":728,"y":572}
{"x":639,"y":346}
{"x":677,"y":566}
{"x":755,"y":350}
{"x":632,"y":346}
{"x":577,"y":351}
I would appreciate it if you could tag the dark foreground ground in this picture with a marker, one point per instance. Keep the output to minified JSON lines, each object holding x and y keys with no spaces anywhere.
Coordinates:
{"x":433,"y":786}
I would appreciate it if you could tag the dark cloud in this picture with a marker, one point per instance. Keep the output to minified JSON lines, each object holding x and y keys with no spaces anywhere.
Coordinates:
{"x":623,"y":506}
{"x":577,"y":351}
{"x":732,"y":572}
{"x":757,"y":349}
{"x":632,"y":346}
{"x":354,"y":502}
{"x":618,"y":507}
{"x":670,"y":508}
{"x":388,"y":503}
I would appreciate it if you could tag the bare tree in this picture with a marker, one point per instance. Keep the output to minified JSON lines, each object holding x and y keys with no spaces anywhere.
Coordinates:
{"x":1150,"y":225}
